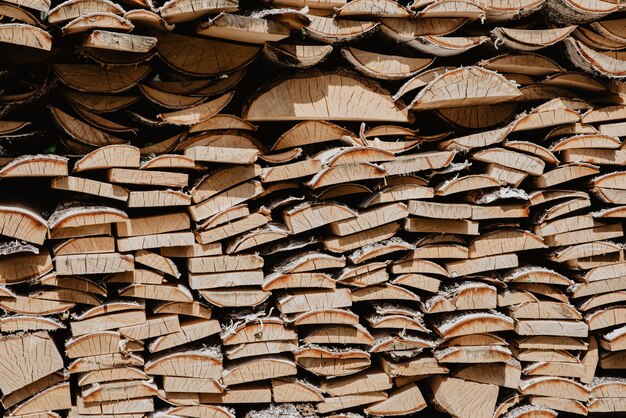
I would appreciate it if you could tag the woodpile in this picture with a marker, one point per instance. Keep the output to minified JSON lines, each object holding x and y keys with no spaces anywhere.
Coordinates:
{"x":312,"y":208}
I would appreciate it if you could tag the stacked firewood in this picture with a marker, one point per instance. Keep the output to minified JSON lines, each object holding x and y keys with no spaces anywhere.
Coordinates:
{"x":301,"y":208}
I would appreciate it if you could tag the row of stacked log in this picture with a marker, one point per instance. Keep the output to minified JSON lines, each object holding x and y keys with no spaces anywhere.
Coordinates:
{"x":312,"y":208}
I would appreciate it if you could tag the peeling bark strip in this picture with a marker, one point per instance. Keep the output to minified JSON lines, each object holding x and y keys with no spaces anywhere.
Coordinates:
{"x":312,"y":208}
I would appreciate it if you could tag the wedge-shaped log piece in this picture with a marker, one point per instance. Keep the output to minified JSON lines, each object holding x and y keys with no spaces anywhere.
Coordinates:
{"x":504,"y":374}
{"x":258,"y":369}
{"x":312,"y":132}
{"x":193,"y":385}
{"x":418,"y":162}
{"x":148,"y":178}
{"x":226,"y":199}
{"x":378,"y":249}
{"x":153,"y":327}
{"x":340,"y":335}
{"x":578,"y":11}
{"x":345,"y":174}
{"x":549,"y":327}
{"x":72,"y":9}
{"x":222,"y":155}
{"x":466,"y":183}
{"x":83,"y":132}
{"x":459,"y":397}
{"x":295,"y":170}
{"x":222,"y":121}
{"x":222,"y":179}
{"x":107,"y":322}
{"x":295,"y":390}
{"x":585,"y":235}
{"x":93,"y":344}
{"x":473,"y":354}
{"x":210,"y":411}
{"x":368,"y":8}
{"x":451,"y":8}
{"x":504,"y":241}
{"x":439,"y":210}
{"x":235,"y":227}
{"x":56,"y":397}
{"x":23,"y":224}
{"x":137,"y":276}
{"x":608,"y":64}
{"x":25,"y":35}
{"x":116,"y":391}
{"x":121,"y":42}
{"x":90,"y":187}
{"x":544,"y":310}
{"x":260,"y":236}
{"x":478,"y":265}
{"x":23,"y":323}
{"x":304,"y":301}
{"x":40,"y":5}
{"x":19,"y":395}
{"x":384,"y":67}
{"x":191,"y":330}
{"x":194,"y":309}
{"x":17,"y":268}
{"x":226,"y":279}
{"x":407,"y":30}
{"x":97,"y":20}
{"x":204,"y":57}
{"x":531,"y":39}
{"x":311,"y":215}
{"x":108,"y":157}
{"x":35,"y":166}
{"x":153,"y":225}
{"x":339,"y":403}
{"x":299,"y":56}
{"x":236,"y":297}
{"x":523,"y":63}
{"x":224,"y":263}
{"x":131,"y":406}
{"x":368,"y":380}
{"x":265,"y":330}
{"x":203,"y":363}
{"x":100,"y":365}
{"x":169,"y":161}
{"x":402,"y":401}
{"x":473,"y":86}
{"x":466,"y":296}
{"x":178,"y":11}
{"x":361,"y":239}
{"x":414,"y":265}
{"x":158,"y":198}
{"x":322,"y":96}
{"x":93,"y":263}
{"x":169,"y":292}
{"x":251,"y":30}
{"x":605,"y":318}
{"x":514,"y":160}
{"x":29,"y":306}
{"x":417,"y":366}
{"x":446,"y":46}
{"x":198,"y":113}
{"x":298,"y":280}
{"x":554,"y":386}
{"x":325,"y":362}
{"x":330,"y":30}
{"x":27,"y":357}
{"x":473,"y":323}
{"x":96,"y":79}
{"x":566,"y":173}
{"x":322,"y":316}
{"x":586,"y":141}
{"x":384,"y":292}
